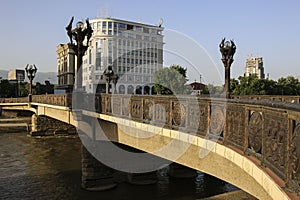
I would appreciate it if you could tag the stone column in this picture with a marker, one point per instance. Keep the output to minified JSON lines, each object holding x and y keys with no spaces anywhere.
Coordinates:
{"x":95,"y":175}
{"x":34,"y":125}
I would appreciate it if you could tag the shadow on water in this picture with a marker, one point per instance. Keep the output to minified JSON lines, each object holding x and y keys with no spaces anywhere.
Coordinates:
{"x":50,"y":168}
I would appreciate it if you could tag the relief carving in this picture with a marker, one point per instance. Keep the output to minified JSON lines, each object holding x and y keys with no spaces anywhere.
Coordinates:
{"x":255,"y":132}
{"x":217,"y":120}
{"x":178,"y":114}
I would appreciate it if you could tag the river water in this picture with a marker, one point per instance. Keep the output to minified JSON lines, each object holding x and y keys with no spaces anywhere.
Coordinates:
{"x":50,"y":168}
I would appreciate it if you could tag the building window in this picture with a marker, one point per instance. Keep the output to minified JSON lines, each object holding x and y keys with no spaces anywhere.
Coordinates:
{"x":139,"y":28}
{"x":109,"y":25}
{"x":104,"y":25}
{"x":122,"y":26}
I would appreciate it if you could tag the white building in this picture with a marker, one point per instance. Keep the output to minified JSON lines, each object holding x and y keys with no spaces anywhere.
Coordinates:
{"x":134,"y":50}
{"x":254,"y":65}
{"x":16,"y":74}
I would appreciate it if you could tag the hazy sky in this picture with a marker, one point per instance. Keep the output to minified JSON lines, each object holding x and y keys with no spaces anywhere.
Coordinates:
{"x":31,"y":30}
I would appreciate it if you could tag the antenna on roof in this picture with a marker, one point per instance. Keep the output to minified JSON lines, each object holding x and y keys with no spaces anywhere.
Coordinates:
{"x":98,"y":15}
{"x":105,"y":11}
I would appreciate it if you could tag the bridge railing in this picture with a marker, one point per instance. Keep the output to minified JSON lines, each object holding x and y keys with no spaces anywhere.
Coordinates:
{"x":276,"y":98}
{"x":269,"y":131}
{"x":14,"y":100}
{"x":54,"y":99}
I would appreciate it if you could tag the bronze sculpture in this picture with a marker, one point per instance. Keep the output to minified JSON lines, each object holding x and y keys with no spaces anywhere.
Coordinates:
{"x":227,"y":50}
{"x":79,"y":34}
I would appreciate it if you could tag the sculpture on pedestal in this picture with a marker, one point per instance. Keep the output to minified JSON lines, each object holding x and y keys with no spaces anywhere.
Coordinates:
{"x":227,"y":50}
{"x":79,"y":34}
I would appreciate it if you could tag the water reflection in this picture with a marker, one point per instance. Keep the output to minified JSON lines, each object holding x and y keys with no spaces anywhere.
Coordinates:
{"x":50,"y":168}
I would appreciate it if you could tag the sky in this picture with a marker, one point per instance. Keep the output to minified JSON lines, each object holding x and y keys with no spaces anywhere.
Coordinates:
{"x":31,"y":30}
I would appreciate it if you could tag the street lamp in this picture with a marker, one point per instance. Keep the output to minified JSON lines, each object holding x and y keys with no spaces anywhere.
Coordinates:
{"x":79,"y":34}
{"x":108,"y":73}
{"x":115,"y":79}
{"x":30,"y":71}
{"x":227,"y":50}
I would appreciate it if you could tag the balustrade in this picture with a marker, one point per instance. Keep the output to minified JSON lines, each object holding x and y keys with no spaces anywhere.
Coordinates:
{"x":266,"y":130}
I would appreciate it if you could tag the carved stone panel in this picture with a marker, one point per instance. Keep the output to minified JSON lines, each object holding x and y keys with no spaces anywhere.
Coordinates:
{"x":148,"y":110}
{"x":108,"y":104}
{"x":275,"y":140}
{"x":161,"y":110}
{"x":178,"y":114}
{"x":235,"y":121}
{"x":198,"y":118}
{"x":116,"y":105}
{"x":136,"y":109}
{"x":255,"y":132}
{"x":217,"y":120}
{"x":295,"y":156}
{"x":125,"y":106}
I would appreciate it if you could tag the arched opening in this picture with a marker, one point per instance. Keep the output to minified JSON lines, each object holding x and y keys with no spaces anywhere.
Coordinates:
{"x":139,"y":90}
{"x":153,"y":90}
{"x":130,"y":89}
{"x":121,"y":89}
{"x":147,"y":90}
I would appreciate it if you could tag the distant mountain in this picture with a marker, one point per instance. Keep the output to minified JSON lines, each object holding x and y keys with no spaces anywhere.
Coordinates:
{"x":40,"y":76}
{"x":3,"y":74}
{"x":44,"y":76}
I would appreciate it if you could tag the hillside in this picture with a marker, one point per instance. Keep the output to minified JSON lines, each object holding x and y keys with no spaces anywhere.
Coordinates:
{"x":40,"y":76}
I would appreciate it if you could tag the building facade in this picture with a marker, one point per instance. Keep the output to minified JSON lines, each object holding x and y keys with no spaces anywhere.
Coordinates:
{"x":254,"y":65}
{"x":134,"y":50}
{"x":65,"y":68}
{"x":16,"y":74}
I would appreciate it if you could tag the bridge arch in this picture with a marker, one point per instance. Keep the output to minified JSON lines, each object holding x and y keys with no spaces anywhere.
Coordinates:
{"x":272,"y":161}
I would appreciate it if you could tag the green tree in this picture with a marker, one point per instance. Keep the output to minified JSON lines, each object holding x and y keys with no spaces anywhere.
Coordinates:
{"x":170,"y":80}
{"x":8,"y":89}
{"x":288,"y":86}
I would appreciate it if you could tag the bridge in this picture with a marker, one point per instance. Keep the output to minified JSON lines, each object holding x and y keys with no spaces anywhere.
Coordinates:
{"x":251,"y":142}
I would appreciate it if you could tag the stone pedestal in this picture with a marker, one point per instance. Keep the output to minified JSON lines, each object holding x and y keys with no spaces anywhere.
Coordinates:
{"x":95,"y":175}
{"x":142,"y":178}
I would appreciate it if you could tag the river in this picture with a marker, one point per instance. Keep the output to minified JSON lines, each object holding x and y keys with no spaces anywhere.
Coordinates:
{"x":50,"y":168}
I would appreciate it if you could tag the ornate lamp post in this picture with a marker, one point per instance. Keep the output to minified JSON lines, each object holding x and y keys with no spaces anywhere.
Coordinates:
{"x":79,"y":34}
{"x":108,"y":73}
{"x":30,"y":71}
{"x":227,"y":50}
{"x":115,"y":79}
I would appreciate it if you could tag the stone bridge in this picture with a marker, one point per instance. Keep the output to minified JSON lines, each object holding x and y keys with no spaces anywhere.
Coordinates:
{"x":250,"y":142}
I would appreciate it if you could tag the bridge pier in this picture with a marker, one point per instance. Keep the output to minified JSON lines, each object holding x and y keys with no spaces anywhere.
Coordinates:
{"x":46,"y":126}
{"x":179,"y":171}
{"x":95,"y":175}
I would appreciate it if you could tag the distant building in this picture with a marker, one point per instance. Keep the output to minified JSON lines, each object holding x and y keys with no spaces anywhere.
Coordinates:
{"x":65,"y":68}
{"x":134,"y":50}
{"x":197,"y":88}
{"x":254,"y":65}
{"x":16,"y":75}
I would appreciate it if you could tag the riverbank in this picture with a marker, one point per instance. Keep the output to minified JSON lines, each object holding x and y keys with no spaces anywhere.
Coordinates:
{"x":15,"y":125}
